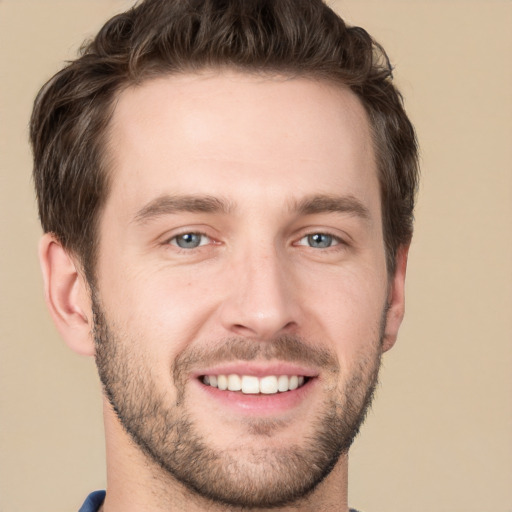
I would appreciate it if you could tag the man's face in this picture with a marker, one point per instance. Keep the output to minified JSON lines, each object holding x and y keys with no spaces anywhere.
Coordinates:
{"x":241,"y":245}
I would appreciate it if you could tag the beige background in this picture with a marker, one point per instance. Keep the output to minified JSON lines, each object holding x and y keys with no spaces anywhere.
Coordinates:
{"x":440,"y":434}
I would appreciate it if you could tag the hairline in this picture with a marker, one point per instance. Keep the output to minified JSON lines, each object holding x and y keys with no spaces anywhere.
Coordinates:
{"x":105,"y":142}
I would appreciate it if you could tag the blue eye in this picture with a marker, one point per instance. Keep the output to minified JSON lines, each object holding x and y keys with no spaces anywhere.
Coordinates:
{"x":319,"y":241}
{"x":189,"y":240}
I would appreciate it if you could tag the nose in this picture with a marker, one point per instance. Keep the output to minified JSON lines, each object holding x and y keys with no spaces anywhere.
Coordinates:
{"x":262,"y":301}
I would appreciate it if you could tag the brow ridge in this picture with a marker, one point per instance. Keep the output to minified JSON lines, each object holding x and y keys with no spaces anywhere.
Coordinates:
{"x":315,"y":204}
{"x":327,"y":203}
{"x":169,"y":204}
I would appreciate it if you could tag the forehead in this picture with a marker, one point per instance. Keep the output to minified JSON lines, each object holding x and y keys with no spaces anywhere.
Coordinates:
{"x":237,"y":134}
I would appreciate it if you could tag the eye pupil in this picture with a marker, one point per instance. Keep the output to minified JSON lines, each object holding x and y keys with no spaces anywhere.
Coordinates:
{"x":320,"y":240}
{"x":188,"y":240}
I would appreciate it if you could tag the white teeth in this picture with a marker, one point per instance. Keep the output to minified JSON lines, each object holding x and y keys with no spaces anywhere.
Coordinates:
{"x":249,"y":384}
{"x":222,"y":382}
{"x":268,"y":385}
{"x":234,"y":383}
{"x":294,"y":382}
{"x":282,"y":383}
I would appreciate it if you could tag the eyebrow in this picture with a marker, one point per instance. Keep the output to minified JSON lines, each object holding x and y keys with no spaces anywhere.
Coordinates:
{"x":167,"y":205}
{"x":331,"y":204}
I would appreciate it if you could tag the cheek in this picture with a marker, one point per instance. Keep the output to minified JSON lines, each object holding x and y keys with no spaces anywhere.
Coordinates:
{"x":346,"y":311}
{"x":166,"y":309}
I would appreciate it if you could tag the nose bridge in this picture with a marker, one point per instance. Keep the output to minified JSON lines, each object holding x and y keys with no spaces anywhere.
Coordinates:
{"x":261,"y":301}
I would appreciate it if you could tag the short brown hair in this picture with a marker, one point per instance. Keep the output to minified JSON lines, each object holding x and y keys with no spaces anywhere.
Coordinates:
{"x":157,"y":37}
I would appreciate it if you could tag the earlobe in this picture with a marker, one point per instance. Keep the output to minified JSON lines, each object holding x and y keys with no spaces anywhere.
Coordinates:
{"x":396,"y":299}
{"x":66,"y":295}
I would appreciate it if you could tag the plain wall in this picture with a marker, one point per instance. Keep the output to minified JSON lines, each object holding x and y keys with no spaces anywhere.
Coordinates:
{"x":440,"y":433}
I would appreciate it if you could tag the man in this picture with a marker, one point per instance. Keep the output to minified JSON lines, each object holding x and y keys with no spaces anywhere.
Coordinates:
{"x":226,"y":190}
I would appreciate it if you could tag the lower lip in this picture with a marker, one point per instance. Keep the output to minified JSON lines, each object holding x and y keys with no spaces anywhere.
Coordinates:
{"x":260,"y":404}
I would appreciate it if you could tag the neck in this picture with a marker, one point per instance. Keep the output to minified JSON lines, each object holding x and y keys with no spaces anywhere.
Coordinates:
{"x":136,"y":484}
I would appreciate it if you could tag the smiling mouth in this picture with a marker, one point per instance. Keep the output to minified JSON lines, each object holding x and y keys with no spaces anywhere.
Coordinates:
{"x":252,"y":385}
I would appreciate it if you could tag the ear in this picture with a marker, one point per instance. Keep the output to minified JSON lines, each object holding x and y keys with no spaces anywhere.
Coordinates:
{"x":67,"y":295}
{"x":396,"y":299}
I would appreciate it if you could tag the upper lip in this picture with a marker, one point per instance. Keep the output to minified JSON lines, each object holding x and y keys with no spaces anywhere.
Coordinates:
{"x":257,"y":369}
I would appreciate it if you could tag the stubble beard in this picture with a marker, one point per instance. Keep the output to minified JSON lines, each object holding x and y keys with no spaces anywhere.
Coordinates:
{"x":244,"y":476}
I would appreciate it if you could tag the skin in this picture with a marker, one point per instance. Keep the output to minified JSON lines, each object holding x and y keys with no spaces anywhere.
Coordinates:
{"x":255,"y":144}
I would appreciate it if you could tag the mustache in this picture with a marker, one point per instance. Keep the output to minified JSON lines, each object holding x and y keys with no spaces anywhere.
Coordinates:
{"x":288,"y":348}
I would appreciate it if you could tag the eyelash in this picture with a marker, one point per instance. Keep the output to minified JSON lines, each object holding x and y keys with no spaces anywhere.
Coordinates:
{"x":334,"y":241}
{"x":173,"y":241}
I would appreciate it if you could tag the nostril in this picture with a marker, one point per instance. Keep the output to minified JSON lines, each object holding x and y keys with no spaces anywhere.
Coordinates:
{"x":263,"y":330}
